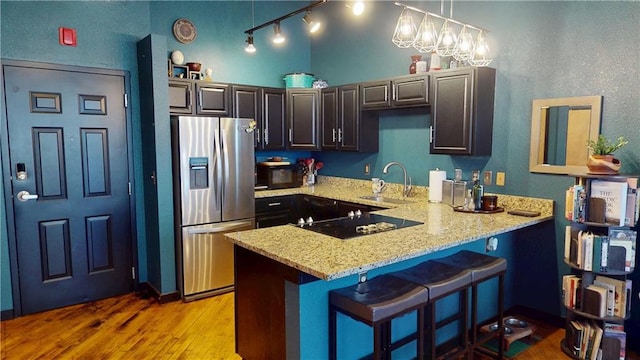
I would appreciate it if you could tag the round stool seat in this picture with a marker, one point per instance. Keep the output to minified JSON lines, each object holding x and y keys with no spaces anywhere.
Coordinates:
{"x":481,"y":266}
{"x":440,"y":278}
{"x":379,"y":298}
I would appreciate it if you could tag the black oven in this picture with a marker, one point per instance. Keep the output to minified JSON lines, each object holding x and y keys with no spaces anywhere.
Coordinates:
{"x":274,"y":175}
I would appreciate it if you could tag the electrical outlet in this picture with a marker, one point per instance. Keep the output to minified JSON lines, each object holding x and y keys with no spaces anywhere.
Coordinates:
{"x":488,"y":176}
{"x":500,"y":178}
{"x":367,"y":169}
{"x":492,"y":244}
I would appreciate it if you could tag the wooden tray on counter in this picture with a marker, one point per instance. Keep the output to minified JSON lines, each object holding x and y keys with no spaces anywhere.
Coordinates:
{"x":461,"y":209}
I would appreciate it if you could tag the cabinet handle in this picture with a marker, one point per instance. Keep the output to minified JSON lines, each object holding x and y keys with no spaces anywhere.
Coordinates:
{"x":266,"y":136}
{"x":290,"y":135}
{"x":394,"y":93}
{"x":333,"y":135}
{"x":386,"y":93}
{"x":188,"y":98}
{"x":430,"y":134}
{"x":340,"y":135}
{"x":258,"y":136}
{"x":274,"y":204}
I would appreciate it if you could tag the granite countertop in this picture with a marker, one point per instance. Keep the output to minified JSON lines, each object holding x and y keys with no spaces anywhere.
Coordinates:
{"x":330,"y":258}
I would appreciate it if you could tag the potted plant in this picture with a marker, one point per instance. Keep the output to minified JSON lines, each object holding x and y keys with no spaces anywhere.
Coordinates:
{"x":601,"y":159}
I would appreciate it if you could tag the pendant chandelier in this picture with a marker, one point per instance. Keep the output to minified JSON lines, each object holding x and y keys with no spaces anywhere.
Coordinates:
{"x":455,"y":39}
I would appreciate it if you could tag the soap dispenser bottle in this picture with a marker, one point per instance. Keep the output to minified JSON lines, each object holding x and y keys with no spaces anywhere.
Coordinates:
{"x":478,"y":191}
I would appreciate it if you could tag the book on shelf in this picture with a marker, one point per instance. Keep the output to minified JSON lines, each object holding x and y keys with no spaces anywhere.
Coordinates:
{"x":587,"y":249}
{"x":567,"y":242}
{"x":574,"y":337}
{"x":584,"y":338}
{"x":579,"y":203}
{"x":575,"y":201}
{"x":597,"y":210}
{"x":611,"y":295}
{"x":587,"y":333}
{"x":628,"y":286}
{"x":568,"y":204}
{"x":633,"y":202}
{"x":594,"y":300}
{"x":622,"y":249}
{"x":600,"y":253}
{"x":597,"y":340}
{"x":568,"y":290}
{"x":614,"y":194}
{"x":614,"y":340}
{"x":571,"y":291}
{"x":622,"y":298}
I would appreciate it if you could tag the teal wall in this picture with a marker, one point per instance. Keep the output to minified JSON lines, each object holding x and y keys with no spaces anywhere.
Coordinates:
{"x":107,"y":36}
{"x":584,"y":57}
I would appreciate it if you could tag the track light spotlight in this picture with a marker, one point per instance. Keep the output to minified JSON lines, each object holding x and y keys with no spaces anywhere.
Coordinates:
{"x":357,"y":7}
{"x":312,"y":24}
{"x":278,"y":38}
{"x":250,"y":48}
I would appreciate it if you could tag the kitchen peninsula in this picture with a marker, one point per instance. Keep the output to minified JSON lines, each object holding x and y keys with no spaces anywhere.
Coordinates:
{"x":284,"y":273}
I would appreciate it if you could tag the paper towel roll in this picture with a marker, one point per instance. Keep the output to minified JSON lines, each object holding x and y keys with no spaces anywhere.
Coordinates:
{"x":435,"y":185}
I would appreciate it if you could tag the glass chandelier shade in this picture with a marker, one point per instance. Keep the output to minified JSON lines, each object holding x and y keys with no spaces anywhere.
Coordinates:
{"x":426,"y":38}
{"x":405,"y":33}
{"x":480,"y":55}
{"x":446,"y":40}
{"x":464,"y":45}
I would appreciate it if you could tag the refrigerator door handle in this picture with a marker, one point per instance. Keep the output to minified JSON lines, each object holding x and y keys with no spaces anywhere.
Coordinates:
{"x":220,"y":228}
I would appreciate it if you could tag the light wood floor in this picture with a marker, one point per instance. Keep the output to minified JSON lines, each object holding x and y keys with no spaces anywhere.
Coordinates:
{"x":128,"y":327}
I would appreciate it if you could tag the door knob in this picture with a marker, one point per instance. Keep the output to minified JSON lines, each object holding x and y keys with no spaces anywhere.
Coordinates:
{"x":24,"y":196}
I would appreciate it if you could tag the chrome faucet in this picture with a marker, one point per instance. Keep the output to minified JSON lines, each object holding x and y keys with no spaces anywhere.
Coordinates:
{"x":407,"y":186}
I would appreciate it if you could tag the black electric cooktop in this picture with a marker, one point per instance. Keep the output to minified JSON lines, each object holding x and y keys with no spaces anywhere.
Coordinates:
{"x":365,"y":224}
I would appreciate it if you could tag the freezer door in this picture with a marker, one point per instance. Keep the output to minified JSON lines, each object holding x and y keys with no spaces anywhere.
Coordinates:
{"x":198,"y":139}
{"x":236,"y":142}
{"x":207,"y":258}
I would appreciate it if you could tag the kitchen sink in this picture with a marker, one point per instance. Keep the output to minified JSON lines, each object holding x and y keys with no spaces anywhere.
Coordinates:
{"x":383,"y":199}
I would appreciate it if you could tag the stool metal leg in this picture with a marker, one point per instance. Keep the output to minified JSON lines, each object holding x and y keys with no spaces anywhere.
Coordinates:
{"x":501,"y":314}
{"x":380,"y":342}
{"x":421,"y":337}
{"x":333,"y":349}
{"x":430,"y":338}
{"x":464,"y":294}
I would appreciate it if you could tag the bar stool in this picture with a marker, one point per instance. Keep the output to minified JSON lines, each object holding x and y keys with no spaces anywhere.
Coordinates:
{"x":442,"y":280}
{"x":482,"y":267}
{"x":376,"y":302}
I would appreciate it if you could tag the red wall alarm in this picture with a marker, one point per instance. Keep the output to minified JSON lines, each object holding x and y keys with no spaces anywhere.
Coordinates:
{"x":67,"y":36}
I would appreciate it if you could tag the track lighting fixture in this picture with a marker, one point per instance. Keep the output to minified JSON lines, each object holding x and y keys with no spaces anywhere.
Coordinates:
{"x":250,"y":48}
{"x":357,"y":7}
{"x":312,"y":24}
{"x":278,"y":38}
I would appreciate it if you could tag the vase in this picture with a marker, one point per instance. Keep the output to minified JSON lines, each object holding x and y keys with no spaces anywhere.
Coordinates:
{"x":603,"y":165}
{"x":414,"y":61}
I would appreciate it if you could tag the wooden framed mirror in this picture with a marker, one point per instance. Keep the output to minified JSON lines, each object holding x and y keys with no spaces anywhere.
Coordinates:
{"x":560,"y":129}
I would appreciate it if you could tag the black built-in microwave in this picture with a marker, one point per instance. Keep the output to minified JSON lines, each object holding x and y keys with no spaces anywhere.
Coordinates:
{"x":278,"y":175}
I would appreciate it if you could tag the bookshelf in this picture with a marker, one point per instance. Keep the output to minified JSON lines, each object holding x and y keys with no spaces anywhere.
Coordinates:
{"x":603,"y":211}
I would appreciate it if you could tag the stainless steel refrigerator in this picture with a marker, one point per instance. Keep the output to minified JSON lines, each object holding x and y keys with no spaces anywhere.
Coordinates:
{"x":213,"y":163}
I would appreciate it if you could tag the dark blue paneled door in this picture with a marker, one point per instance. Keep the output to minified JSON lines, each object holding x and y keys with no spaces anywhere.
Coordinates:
{"x":70,"y":185}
